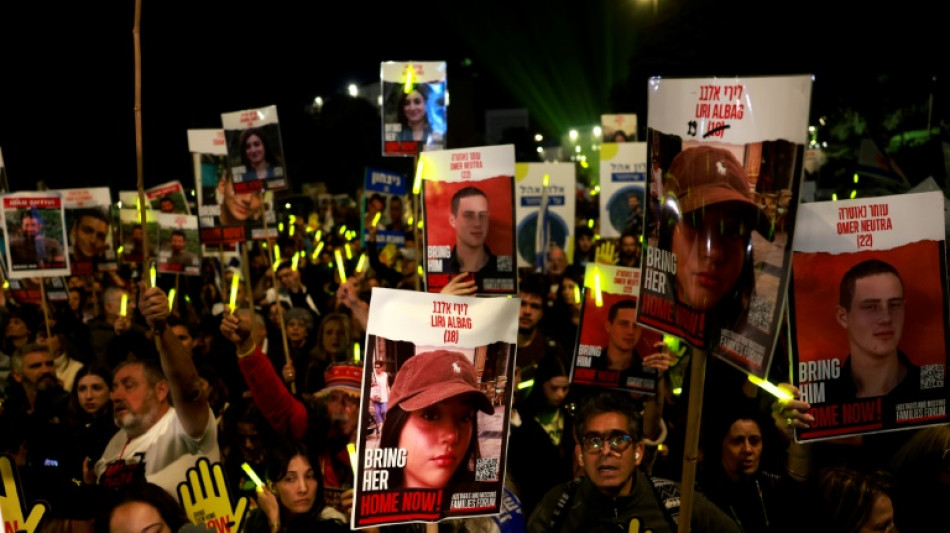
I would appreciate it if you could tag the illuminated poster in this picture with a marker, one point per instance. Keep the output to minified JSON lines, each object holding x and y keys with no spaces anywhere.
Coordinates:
{"x":89,"y":225}
{"x":612,"y":351}
{"x":179,"y":249}
{"x":868,"y":312}
{"x":35,"y":229}
{"x":469,"y":217}
{"x":414,"y":106}
{"x":255,"y":150}
{"x":554,"y":208}
{"x":619,"y":128}
{"x":168,"y":198}
{"x":385,"y":193}
{"x":726,"y":169}
{"x":225,"y":216}
{"x":623,"y":169}
{"x":440,"y":359}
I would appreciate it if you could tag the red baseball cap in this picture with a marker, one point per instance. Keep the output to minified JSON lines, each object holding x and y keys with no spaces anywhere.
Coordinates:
{"x":705,"y":175}
{"x":430,"y":377}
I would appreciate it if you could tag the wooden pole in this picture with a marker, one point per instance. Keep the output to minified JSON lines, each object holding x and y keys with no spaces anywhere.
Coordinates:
{"x":43,"y":305}
{"x":280,"y":308}
{"x":139,"y":167}
{"x":697,"y":378}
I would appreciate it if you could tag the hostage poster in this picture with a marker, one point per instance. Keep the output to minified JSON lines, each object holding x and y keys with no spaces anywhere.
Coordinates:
{"x":623,"y":170}
{"x":868,"y":314}
{"x":469,"y":217}
{"x":611,"y":348}
{"x":89,"y":225}
{"x":545,"y":213}
{"x":386,"y":203}
{"x":719,"y":220}
{"x":225,"y":216}
{"x":35,"y":230}
{"x":255,"y":150}
{"x":438,"y":381}
{"x":414,"y":100}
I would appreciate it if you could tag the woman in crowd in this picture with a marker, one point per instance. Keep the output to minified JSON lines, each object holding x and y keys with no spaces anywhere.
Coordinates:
{"x":333,"y":338}
{"x":141,"y":507}
{"x":856,"y":502}
{"x":541,"y":447}
{"x":260,"y":161}
{"x":432,"y":414}
{"x":921,"y":470}
{"x":294,"y":499}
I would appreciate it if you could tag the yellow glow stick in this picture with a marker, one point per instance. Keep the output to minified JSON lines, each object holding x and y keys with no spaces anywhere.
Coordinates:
{"x":291,"y":230}
{"x":376,"y":218}
{"x":361,"y":264}
{"x":419,"y":224}
{"x":546,"y":180}
{"x":235,"y":283}
{"x":152,"y":274}
{"x":577,"y":294}
{"x":407,"y":87}
{"x":351,"y":449}
{"x":280,"y":227}
{"x":525,"y":384}
{"x":419,"y":270}
{"x":276,"y":257}
{"x":783,"y":395}
{"x":171,"y":299}
{"x":6,"y":284}
{"x":349,"y":253}
{"x":409,"y":220}
{"x":294,"y":262}
{"x":253,"y":475}
{"x":417,"y":182}
{"x":124,"y":305}
{"x":339,"y":264}
{"x":317,"y":250}
{"x":120,"y":250}
{"x":342,"y":229}
{"x":356,"y":352}
{"x":598,"y":296}
{"x":318,"y":235}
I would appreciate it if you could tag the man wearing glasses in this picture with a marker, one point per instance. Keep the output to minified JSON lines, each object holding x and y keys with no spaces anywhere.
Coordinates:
{"x":613,"y":492}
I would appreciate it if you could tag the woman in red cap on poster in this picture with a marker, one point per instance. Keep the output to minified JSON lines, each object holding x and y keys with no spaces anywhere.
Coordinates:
{"x":432,"y":415}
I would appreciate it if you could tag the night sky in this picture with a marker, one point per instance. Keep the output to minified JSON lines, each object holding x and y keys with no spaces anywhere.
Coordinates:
{"x":66,"y":71}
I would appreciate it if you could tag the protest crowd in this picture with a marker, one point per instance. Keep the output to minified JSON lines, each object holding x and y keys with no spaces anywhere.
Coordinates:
{"x":230,"y":385}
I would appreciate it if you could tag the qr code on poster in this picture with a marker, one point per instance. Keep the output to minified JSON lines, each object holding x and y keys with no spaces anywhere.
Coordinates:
{"x":504,"y":263}
{"x":486,"y":469}
{"x":931,"y":376}
{"x":760,"y":313}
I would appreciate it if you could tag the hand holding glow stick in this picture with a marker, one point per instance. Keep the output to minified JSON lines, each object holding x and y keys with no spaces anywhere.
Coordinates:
{"x":235,"y":283}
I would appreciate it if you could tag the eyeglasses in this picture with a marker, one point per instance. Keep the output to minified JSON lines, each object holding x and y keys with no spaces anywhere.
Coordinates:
{"x":617,"y":441}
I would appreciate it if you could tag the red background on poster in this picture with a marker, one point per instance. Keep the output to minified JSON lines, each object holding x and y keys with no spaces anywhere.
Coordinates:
{"x":816,"y":280}
{"x":499,"y":189}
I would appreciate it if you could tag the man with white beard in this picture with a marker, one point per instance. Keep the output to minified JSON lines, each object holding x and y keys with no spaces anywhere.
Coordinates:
{"x":157,"y":442}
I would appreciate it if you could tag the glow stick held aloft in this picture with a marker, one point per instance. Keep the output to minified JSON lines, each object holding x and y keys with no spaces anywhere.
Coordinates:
{"x":351,"y":449}
{"x":339,"y":264}
{"x":317,"y":250}
{"x":124,"y":305}
{"x":276,"y":257}
{"x":783,"y":395}
{"x":598,"y":295}
{"x":377,"y":217}
{"x":417,"y":181}
{"x":171,"y":299}
{"x":294,"y":262}
{"x":253,"y":475}
{"x":361,"y":264}
{"x":152,"y":274}
{"x":356,"y":352}
{"x":235,"y":283}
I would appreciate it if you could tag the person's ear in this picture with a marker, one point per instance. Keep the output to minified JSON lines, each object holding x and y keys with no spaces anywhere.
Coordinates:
{"x":580,"y":454}
{"x":451,"y":219}
{"x":18,"y":377}
{"x":638,"y":453}
{"x":841,"y":315}
{"x":161,"y":390}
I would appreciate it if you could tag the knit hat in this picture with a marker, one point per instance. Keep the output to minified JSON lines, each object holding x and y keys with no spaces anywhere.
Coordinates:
{"x":430,"y":377}
{"x":344,"y":376}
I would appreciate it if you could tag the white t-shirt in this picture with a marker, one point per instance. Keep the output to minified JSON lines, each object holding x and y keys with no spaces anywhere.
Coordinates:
{"x":165,"y":452}
{"x":382,"y":380}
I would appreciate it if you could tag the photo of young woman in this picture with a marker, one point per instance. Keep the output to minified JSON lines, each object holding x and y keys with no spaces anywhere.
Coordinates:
{"x":432,"y":415}
{"x":260,"y":160}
